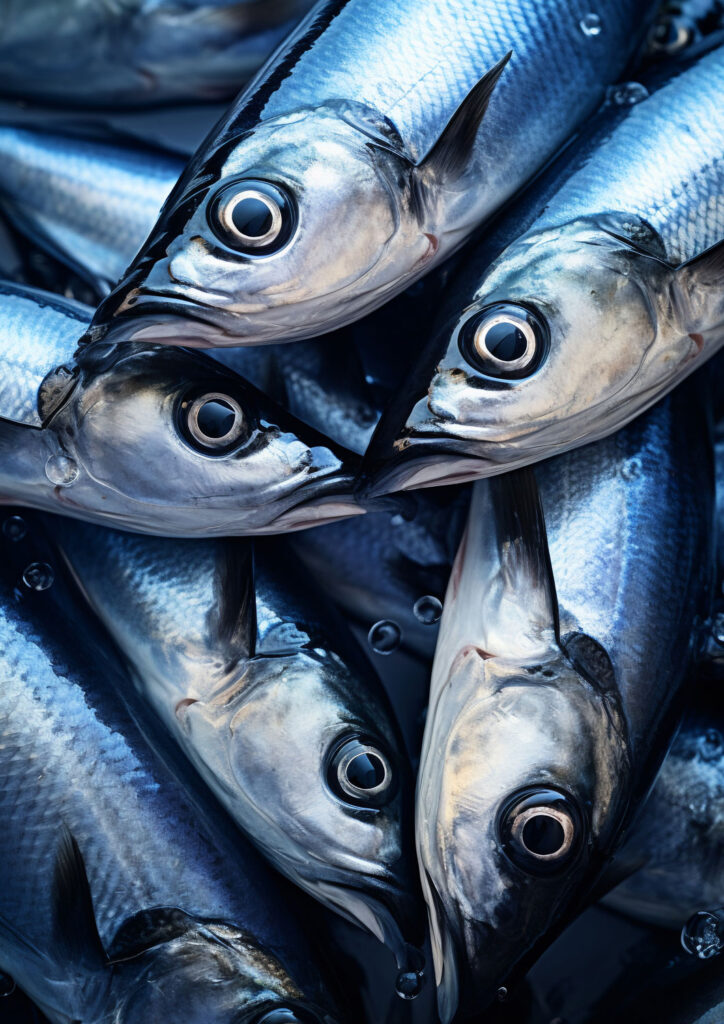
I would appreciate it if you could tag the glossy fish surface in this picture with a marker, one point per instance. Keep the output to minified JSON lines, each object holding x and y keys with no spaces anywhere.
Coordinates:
{"x":91,"y":53}
{"x":555,"y":686}
{"x":151,"y":439}
{"x":126,"y":895}
{"x":603,"y":293}
{"x":349,"y":168}
{"x":262,"y":689}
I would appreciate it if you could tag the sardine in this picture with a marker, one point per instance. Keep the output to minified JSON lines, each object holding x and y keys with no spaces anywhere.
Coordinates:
{"x":350,"y":166}
{"x":266,"y":693}
{"x":91,"y":53}
{"x":556,"y":684}
{"x":156,"y":440}
{"x":125,"y":895}
{"x":606,"y":291}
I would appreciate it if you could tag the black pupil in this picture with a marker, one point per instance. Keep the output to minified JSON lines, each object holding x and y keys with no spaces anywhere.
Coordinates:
{"x":365,"y":771}
{"x":543,"y":835}
{"x":252,"y":217}
{"x":505,"y":341}
{"x":215,"y":418}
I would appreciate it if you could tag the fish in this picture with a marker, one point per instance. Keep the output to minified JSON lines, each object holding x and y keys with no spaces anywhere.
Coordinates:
{"x":152,"y":439}
{"x":557,"y":685}
{"x":266,"y":693}
{"x":348,"y":168}
{"x":674,"y":854}
{"x":138,"y":52}
{"x":600,"y":293}
{"x":127,"y":895}
{"x":390,"y":565}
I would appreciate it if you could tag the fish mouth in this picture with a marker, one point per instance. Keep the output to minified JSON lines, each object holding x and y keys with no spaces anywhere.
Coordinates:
{"x":419,"y":463}
{"x":323,"y":500}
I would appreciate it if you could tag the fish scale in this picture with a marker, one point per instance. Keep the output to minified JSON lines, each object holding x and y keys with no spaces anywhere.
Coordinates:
{"x":668,"y":186}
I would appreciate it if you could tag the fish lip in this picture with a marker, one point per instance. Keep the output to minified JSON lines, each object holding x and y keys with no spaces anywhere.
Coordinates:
{"x":423,"y":466}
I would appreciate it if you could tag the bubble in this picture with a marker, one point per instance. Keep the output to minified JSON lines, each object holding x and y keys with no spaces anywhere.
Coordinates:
{"x":701,"y":936}
{"x":409,"y":984}
{"x":591,"y":25}
{"x":626,"y":94}
{"x":61,"y":470}
{"x":711,"y":745}
{"x":385,"y":636}
{"x":14,"y":528}
{"x":7,"y":985}
{"x":427,"y":609}
{"x":502,"y":994}
{"x":38,"y":576}
{"x":631,"y":469}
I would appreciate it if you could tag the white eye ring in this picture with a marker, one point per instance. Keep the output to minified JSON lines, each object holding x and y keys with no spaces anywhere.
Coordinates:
{"x":484,"y":329}
{"x":348,"y":755}
{"x":563,"y":819}
{"x":226,"y":218}
{"x":199,"y":435}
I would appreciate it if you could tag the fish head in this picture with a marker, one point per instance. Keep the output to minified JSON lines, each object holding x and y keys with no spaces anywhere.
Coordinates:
{"x":333,"y":808}
{"x":211,"y":973}
{"x":166,"y":441}
{"x":519,"y":794}
{"x":307,"y":223}
{"x":567,"y":338}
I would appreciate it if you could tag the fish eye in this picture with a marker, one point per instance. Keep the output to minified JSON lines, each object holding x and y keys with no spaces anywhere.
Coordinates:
{"x":505,"y":341}
{"x":213,"y":423}
{"x":288,"y":1015}
{"x":359,"y":772}
{"x":541,"y":830}
{"x":252,"y":216}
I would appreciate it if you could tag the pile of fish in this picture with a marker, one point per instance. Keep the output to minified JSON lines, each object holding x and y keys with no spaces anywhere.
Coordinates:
{"x":362,"y":458}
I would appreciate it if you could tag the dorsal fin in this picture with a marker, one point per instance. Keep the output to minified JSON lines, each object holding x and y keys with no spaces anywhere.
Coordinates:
{"x":450,"y":154}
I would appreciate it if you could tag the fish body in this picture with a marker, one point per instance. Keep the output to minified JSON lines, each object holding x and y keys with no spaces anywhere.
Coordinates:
{"x":556,"y":684}
{"x":349,"y":168}
{"x":154,"y":440}
{"x":380,"y":569}
{"x":137,"y":52}
{"x":600,"y":292}
{"x":262,"y":689}
{"x":176,"y":915}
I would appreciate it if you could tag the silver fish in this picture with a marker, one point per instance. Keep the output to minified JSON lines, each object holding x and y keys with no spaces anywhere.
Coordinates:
{"x":268,"y":697}
{"x":91,"y":53}
{"x":122,"y":899}
{"x":607,"y":293}
{"x":350,"y":167}
{"x":551,"y":702}
{"x":156,"y":440}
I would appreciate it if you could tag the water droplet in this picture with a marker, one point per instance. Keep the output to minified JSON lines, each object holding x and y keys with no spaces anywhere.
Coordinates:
{"x":409,"y":984}
{"x":631,"y":469}
{"x":502,"y":994}
{"x":7,"y":985}
{"x":626,"y":94}
{"x":397,"y":520}
{"x":591,"y":25}
{"x":717,"y":629}
{"x":711,"y":745}
{"x":427,"y":609}
{"x":14,"y":528}
{"x":702,"y":935}
{"x":38,"y":576}
{"x":61,"y":470}
{"x":385,"y":636}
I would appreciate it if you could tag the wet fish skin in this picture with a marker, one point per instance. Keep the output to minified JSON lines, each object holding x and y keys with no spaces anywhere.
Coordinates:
{"x":378,"y":567}
{"x":615,"y":253}
{"x":382,"y":193}
{"x":177,"y":897}
{"x":259,"y":684}
{"x":74,"y":422}
{"x":558,"y":686}
{"x":138,"y":52}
